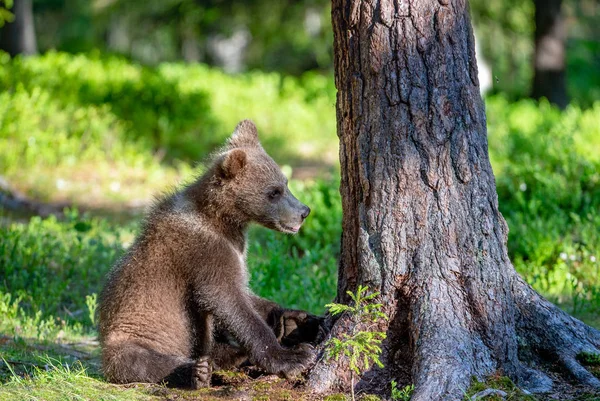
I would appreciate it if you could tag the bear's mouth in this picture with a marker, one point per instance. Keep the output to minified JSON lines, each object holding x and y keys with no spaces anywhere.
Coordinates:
{"x":290,"y":229}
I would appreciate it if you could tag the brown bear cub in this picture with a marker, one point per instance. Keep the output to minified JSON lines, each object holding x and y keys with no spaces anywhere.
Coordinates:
{"x":177,"y":303}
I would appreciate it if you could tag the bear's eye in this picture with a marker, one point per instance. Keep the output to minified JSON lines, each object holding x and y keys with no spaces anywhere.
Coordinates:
{"x":275,"y":193}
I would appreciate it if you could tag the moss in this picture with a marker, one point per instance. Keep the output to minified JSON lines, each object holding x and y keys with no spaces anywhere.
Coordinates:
{"x":336,"y":397}
{"x":499,"y":383}
{"x":262,"y":386}
{"x":591,"y":362}
{"x":589,"y":359}
{"x":369,"y":397}
{"x":224,"y":377}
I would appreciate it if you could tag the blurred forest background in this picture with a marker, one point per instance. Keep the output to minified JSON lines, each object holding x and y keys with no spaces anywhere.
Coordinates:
{"x":107,"y":103}
{"x":293,"y":37}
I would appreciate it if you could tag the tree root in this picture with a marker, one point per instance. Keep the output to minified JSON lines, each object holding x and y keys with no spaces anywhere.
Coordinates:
{"x":578,"y":372}
{"x":533,"y":380}
{"x":551,"y":331}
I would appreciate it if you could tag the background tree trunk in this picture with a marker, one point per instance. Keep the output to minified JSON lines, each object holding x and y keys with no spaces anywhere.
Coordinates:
{"x":420,"y":214}
{"x":549,"y":78}
{"x":18,"y":37}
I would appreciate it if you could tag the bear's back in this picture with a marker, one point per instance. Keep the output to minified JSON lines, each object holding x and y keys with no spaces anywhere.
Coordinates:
{"x":146,"y":296}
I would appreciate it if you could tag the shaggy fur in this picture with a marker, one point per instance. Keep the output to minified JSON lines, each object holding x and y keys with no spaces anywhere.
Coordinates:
{"x":178,"y":302}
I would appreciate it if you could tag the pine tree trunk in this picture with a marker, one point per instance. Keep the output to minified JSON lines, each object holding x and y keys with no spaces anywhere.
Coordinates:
{"x":420,"y":212}
{"x":549,"y":78}
{"x":18,"y":37}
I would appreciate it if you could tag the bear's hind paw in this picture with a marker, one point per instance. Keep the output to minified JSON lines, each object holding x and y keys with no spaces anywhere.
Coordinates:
{"x":201,"y":373}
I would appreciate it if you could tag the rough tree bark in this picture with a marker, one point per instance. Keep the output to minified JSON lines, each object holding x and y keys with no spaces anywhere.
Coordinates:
{"x":549,"y":77}
{"x":420,"y":212}
{"x":18,"y":36}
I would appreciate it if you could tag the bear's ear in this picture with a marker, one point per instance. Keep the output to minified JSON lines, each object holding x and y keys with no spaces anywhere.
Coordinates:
{"x":233,"y":162}
{"x":245,"y":135}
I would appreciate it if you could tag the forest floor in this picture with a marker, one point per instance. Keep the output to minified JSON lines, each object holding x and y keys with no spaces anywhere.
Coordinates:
{"x":57,"y":370}
{"x":72,"y":371}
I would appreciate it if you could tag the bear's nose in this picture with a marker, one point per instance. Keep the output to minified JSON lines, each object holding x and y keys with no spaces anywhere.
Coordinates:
{"x":305,"y":212}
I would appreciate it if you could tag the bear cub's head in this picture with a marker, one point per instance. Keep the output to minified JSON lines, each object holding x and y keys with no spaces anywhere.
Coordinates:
{"x":255,"y":185}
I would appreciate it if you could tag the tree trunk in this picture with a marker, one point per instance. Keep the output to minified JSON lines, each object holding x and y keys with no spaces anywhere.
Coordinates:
{"x":18,"y":37}
{"x":420,"y":212}
{"x":549,"y":78}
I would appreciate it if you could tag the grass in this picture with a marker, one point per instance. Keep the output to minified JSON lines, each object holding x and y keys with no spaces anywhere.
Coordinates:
{"x":57,"y":377}
{"x":107,"y":134}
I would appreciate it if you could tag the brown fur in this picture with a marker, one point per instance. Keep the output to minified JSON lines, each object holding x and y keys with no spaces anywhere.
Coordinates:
{"x":178,"y":301}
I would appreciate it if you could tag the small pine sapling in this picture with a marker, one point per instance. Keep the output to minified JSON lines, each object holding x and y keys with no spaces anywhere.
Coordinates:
{"x":361,"y":347}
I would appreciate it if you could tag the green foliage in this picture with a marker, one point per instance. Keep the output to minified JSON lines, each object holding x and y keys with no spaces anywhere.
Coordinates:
{"x":403,"y":394}
{"x":591,"y":362}
{"x":51,"y":379}
{"x":183,"y":110}
{"x":362,"y":310}
{"x":91,"y":124}
{"x":51,"y":265}
{"x":18,"y":322}
{"x":369,"y":397}
{"x":583,"y":60}
{"x":293,"y":38}
{"x":362,"y":348}
{"x":548,"y":178}
{"x":5,"y":14}
{"x":290,"y":38}
{"x":505,"y":33}
{"x":335,"y":397}
{"x":589,"y":358}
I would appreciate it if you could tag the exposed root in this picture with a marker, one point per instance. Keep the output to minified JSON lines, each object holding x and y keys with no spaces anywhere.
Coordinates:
{"x":579,"y":373}
{"x":533,"y":380}
{"x":322,"y":377}
{"x":441,"y":387}
{"x":443,"y":372}
{"x":550,"y":331}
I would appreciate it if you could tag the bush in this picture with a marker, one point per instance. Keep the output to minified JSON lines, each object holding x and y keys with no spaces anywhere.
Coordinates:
{"x":91,"y":128}
{"x":181,"y":110}
{"x":547,"y":169}
{"x":52,"y":265}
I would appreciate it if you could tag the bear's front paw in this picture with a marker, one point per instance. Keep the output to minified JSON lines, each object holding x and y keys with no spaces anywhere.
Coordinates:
{"x":291,"y":362}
